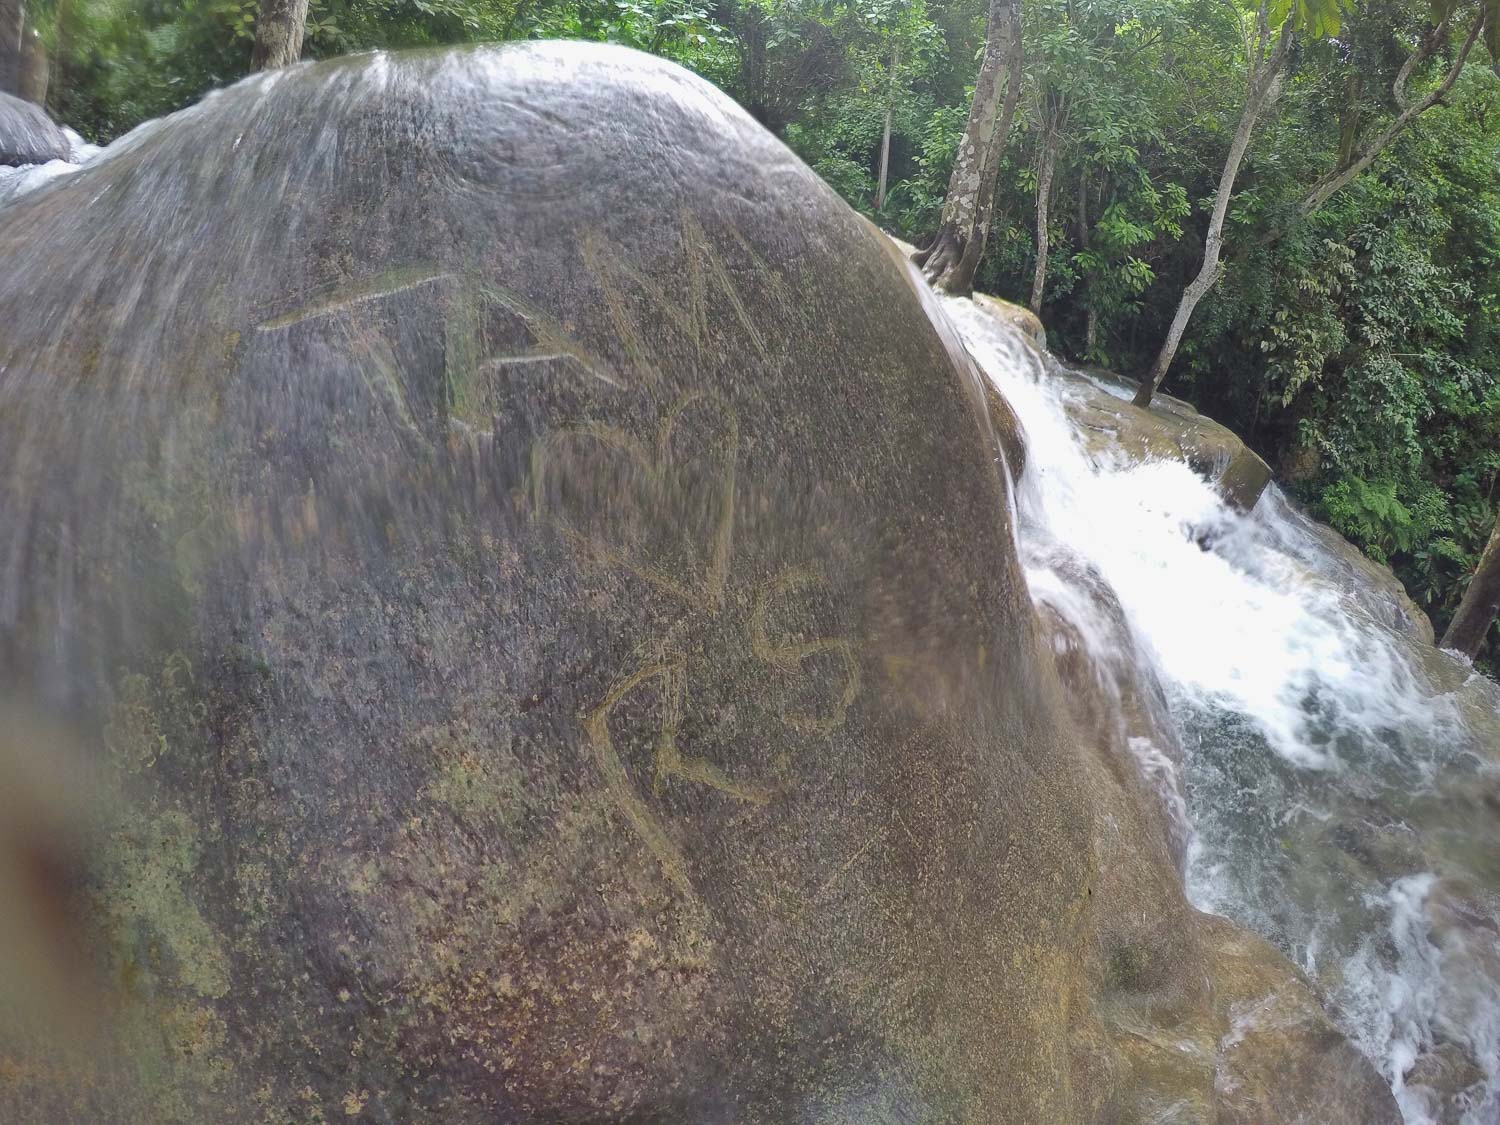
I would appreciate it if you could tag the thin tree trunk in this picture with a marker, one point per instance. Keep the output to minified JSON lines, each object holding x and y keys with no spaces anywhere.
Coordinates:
{"x":1091,"y":319}
{"x":1047,"y":163}
{"x":1349,"y":121}
{"x":1264,"y":86}
{"x":57,"y":61}
{"x":885,"y":141}
{"x":278,"y":34}
{"x":1339,"y":179}
{"x":12,"y":31}
{"x":35,"y":68}
{"x":1481,"y":602}
{"x":952,"y":256}
{"x":885,"y":161}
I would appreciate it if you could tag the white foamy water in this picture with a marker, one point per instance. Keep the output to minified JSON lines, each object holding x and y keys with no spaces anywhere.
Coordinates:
{"x":18,"y":180}
{"x":1328,"y":773}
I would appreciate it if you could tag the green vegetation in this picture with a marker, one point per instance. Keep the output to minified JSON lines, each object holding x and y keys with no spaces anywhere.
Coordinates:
{"x":1352,"y":329}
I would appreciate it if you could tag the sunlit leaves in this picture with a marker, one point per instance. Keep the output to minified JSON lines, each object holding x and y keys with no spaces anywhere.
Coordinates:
{"x":1316,"y":19}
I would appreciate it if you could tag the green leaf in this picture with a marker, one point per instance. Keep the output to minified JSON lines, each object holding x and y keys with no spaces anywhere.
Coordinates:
{"x":1319,"y":19}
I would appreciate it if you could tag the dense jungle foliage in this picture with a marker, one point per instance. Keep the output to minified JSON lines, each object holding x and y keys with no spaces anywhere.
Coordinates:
{"x":1357,"y":348}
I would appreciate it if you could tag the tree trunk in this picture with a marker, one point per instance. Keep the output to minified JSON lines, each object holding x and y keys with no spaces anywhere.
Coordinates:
{"x":1047,"y":162}
{"x":34,"y":68}
{"x":12,"y":30}
{"x":1091,"y":319}
{"x":1340,"y":178}
{"x":952,"y":256}
{"x":57,"y":60}
{"x":1476,"y":613}
{"x":1349,"y":120}
{"x":278,"y":34}
{"x":885,"y":140}
{"x":1264,"y":86}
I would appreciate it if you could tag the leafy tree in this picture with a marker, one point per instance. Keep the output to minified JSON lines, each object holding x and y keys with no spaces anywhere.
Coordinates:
{"x":1354,"y":158}
{"x":1268,"y":41}
{"x":952,"y":255}
{"x":903,"y":33}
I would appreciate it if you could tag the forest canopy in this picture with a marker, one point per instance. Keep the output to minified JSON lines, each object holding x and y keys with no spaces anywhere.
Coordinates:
{"x":1350,"y":331}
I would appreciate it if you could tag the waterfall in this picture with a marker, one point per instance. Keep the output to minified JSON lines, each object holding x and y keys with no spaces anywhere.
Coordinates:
{"x":1338,"y":776}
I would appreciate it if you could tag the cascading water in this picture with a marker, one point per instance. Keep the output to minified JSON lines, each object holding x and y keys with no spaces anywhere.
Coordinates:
{"x":1340,"y":777}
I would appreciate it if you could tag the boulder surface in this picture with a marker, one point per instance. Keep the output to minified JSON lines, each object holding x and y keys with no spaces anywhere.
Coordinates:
{"x":28,"y":135}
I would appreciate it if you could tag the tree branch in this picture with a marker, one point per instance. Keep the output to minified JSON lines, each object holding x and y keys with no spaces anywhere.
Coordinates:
{"x":1423,"y":52}
{"x":1335,"y":182}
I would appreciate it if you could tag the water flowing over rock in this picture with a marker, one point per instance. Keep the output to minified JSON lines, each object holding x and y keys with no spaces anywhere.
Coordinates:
{"x":1340,"y":775}
{"x":1099,"y":404}
{"x":1173,"y":430}
{"x":28,"y":135}
{"x":540,"y":589}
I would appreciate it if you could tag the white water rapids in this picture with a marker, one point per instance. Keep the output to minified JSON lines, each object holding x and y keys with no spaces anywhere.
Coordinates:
{"x":1339,"y":777}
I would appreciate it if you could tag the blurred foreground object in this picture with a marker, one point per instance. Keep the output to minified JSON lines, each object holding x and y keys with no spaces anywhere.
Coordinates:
{"x":48,"y":818}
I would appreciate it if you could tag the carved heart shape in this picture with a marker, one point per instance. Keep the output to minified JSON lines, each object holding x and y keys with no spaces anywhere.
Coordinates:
{"x":664,"y":512}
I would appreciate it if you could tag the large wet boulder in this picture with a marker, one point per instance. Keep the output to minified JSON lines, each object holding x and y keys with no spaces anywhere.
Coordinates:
{"x":28,"y":135}
{"x":538,"y":589}
{"x":1019,"y":317}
